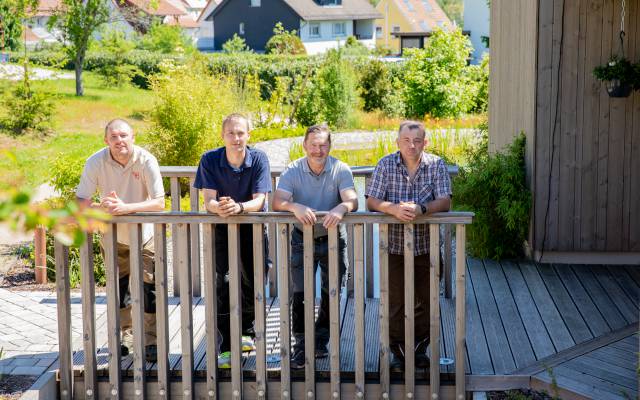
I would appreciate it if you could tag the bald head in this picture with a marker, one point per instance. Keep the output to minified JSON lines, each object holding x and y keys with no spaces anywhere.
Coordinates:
{"x":117,"y":125}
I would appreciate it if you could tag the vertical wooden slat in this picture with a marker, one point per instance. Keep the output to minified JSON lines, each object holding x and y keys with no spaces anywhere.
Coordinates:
{"x":137,"y":309}
{"x":109,"y":244}
{"x":460,"y":311}
{"x":162,"y":308}
{"x":285,"y":330}
{"x":88,"y":317}
{"x":448,"y":284}
{"x":195,"y":240}
{"x":273,"y":246}
{"x":350,"y":257}
{"x":334,"y":312}
{"x":235,"y":311}
{"x":634,"y":195}
{"x":211,"y":315}
{"x":581,"y":132}
{"x":383,"y":310}
{"x":186,"y":314}
{"x":63,"y":295}
{"x":409,"y":312}
{"x":309,"y":313}
{"x":369,"y":247}
{"x":175,"y":206}
{"x":434,"y":292}
{"x":260,"y":317}
{"x":359,"y":296}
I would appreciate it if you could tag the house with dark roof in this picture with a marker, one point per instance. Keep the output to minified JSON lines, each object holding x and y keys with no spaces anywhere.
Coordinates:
{"x":321,"y":24}
{"x":406,"y":23}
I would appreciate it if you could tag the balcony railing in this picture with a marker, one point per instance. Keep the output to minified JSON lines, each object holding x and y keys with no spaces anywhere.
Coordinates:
{"x":239,"y":386}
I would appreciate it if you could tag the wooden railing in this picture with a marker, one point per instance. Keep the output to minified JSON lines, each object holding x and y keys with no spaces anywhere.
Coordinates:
{"x":174,"y":173}
{"x":260,"y":387}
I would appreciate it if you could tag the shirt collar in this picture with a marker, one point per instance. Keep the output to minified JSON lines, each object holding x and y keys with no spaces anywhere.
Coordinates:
{"x":398,"y":159}
{"x":327,"y":166}
{"x":132,"y":160}
{"x":248,"y":159}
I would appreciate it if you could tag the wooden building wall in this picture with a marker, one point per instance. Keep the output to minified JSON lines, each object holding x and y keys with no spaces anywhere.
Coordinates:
{"x":585,"y":148}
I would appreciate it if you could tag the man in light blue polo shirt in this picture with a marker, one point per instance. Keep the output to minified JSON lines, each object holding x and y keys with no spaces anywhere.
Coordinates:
{"x":317,"y":182}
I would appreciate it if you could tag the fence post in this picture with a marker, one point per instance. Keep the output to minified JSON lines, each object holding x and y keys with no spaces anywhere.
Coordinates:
{"x":40,"y":247}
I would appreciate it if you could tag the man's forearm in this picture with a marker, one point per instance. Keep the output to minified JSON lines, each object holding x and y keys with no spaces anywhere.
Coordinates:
{"x":438,"y":205}
{"x":255,"y":204}
{"x":374,"y":204}
{"x":150,"y":205}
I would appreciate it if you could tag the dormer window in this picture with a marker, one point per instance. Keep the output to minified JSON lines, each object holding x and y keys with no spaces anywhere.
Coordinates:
{"x":329,"y":3}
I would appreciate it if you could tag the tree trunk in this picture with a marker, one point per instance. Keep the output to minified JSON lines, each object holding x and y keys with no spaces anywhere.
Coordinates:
{"x":78,"y":68}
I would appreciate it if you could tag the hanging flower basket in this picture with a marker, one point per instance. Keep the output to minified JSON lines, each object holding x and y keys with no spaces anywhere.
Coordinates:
{"x":620,"y":76}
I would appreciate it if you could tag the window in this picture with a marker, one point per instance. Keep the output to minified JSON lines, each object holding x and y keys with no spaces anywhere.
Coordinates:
{"x":314,"y":30}
{"x":378,"y":32}
{"x":339,"y":29}
{"x":396,"y":28}
{"x":255,"y":3}
{"x":241,"y":28}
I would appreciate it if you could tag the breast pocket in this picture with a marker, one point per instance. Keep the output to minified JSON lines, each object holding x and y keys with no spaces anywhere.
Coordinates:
{"x":426,"y":193}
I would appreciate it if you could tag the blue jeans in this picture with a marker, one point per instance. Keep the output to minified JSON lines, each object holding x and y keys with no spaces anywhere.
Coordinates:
{"x":320,"y":258}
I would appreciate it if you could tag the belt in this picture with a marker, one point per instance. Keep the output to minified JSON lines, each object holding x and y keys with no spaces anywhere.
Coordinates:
{"x":319,"y":239}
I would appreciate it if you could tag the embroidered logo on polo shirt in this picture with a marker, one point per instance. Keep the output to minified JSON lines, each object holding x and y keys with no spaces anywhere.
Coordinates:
{"x":136,"y":174}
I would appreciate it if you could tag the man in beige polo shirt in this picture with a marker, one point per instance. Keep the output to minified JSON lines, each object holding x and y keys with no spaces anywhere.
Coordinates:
{"x":127,"y":179}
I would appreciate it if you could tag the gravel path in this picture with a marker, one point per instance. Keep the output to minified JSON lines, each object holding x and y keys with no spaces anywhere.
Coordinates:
{"x":15,"y":72}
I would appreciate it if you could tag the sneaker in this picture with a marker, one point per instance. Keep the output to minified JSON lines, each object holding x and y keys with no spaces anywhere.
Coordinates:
{"x":422,"y":360}
{"x":126,"y":342}
{"x":297,"y":359}
{"x":321,"y":351}
{"x":247,"y":344}
{"x":224,"y":360}
{"x":396,"y":364}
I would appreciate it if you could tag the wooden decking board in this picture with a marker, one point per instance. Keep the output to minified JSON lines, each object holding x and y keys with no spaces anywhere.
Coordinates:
{"x":615,"y":356}
{"x":634,"y":272}
{"x":627,"y":308}
{"x":479,"y":358}
{"x":600,"y":386}
{"x":499,"y":347}
{"x":572,"y":318}
{"x":538,"y":334}
{"x":627,"y":283}
{"x":569,"y":379}
{"x":548,"y":312}
{"x":372,"y":335}
{"x":447,"y":327}
{"x":323,"y":364}
{"x":627,"y":371}
{"x":516,"y":334}
{"x":622,"y":345}
{"x":198,"y":317}
{"x":604,"y":372}
{"x":582,"y":300}
{"x":599,"y":297}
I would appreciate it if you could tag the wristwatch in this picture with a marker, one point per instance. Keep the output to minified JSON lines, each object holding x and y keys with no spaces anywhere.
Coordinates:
{"x":423,"y":208}
{"x":241,"y":208}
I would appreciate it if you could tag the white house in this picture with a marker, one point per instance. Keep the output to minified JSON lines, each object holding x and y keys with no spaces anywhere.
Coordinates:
{"x":476,"y":20}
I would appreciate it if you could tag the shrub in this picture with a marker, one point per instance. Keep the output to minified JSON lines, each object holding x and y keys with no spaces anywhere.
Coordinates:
{"x":284,"y":42}
{"x":235,"y":45}
{"x":26,"y":109}
{"x":331,"y":96}
{"x":65,"y":175}
{"x":435,"y":80}
{"x":478,"y":76}
{"x":186,"y":119}
{"x":494,"y":188}
{"x":353,"y":47}
{"x":374,"y":85}
{"x":167,"y":39}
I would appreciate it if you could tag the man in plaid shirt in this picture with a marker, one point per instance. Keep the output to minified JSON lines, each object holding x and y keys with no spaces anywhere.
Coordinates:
{"x":406,"y":184}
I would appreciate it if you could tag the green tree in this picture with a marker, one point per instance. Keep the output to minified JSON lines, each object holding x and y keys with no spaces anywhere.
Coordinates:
{"x":166,"y":39}
{"x":77,"y":20}
{"x":436,"y":82}
{"x":235,"y":45}
{"x":12,"y":12}
{"x":284,"y":42}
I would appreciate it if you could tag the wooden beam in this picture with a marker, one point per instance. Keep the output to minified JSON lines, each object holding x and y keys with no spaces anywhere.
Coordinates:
{"x":162,"y":308}
{"x":63,"y":296}
{"x":211,"y":299}
{"x":88,"y":289}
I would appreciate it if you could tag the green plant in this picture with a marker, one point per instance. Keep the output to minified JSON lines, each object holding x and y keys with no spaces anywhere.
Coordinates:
{"x":65,"y":175}
{"x":331,"y":96}
{"x":619,"y":69}
{"x":478,"y":77}
{"x":353,"y":47}
{"x":374,"y":84}
{"x":26,"y":109}
{"x":235,"y":45}
{"x":166,"y":39}
{"x":493,"y":186}
{"x":12,"y":12}
{"x":187,"y":117}
{"x":284,"y":42}
{"x":435,"y":82}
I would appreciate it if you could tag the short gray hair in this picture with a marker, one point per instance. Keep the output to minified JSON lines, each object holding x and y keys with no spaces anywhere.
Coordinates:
{"x":117,"y":123}
{"x":411,"y":125}
{"x":319,"y":128}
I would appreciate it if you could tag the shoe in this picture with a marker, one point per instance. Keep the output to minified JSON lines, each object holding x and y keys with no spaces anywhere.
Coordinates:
{"x":151,"y":353}
{"x":397,"y":363}
{"x":126,"y":342}
{"x":422,"y":360}
{"x":124,"y":350}
{"x":321,"y":351}
{"x":247,"y":344}
{"x":224,"y":360}
{"x":297,"y":359}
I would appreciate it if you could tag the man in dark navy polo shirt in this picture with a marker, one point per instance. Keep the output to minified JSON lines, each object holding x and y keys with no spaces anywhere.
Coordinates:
{"x":235,"y":179}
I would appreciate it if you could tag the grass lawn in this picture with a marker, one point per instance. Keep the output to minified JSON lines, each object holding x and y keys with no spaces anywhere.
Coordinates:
{"x":78,"y":125}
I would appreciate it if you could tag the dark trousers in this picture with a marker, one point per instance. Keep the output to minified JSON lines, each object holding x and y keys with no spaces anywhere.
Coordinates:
{"x":396,"y":301}
{"x":246,"y":280}
{"x":321,"y":259}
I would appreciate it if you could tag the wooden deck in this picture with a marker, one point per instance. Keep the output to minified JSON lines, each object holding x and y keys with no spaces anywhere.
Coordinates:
{"x":576,"y":324}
